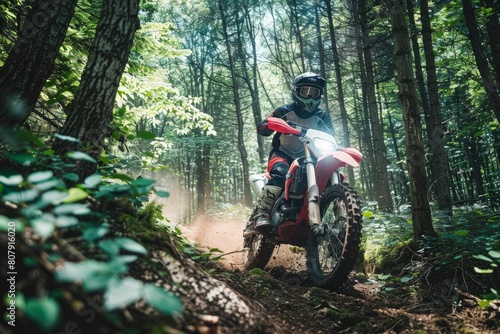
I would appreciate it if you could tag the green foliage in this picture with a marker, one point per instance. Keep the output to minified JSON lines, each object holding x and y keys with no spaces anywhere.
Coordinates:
{"x":493,"y":259}
{"x":45,"y":312}
{"x":468,"y":241}
{"x":51,"y":208}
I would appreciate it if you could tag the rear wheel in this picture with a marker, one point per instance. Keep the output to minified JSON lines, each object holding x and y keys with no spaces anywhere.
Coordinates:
{"x":258,"y":251}
{"x":331,"y":254}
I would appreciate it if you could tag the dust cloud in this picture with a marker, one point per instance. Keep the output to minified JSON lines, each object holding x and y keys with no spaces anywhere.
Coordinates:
{"x":219,"y":232}
{"x":226,"y":235}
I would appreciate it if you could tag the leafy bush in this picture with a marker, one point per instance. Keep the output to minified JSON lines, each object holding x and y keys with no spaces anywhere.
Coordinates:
{"x":35,"y":194}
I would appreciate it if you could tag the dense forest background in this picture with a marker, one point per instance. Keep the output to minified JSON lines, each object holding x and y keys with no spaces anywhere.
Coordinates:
{"x":125,"y":92}
{"x":200,"y":76}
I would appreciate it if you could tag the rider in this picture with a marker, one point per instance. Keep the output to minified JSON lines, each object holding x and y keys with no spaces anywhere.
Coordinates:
{"x":306,"y":94}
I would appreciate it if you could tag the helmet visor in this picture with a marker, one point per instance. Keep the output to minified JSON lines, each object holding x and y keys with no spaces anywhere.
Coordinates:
{"x":308,"y":91}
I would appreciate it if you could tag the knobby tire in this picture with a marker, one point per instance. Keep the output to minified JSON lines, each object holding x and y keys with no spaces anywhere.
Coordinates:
{"x":331,"y":255}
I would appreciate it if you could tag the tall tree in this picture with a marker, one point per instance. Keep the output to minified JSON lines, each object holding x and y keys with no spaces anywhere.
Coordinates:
{"x":32,"y":59}
{"x":382,"y":190}
{"x":237,"y":104}
{"x":91,"y":113}
{"x":421,"y":212}
{"x":492,"y":91}
{"x":251,"y":75}
{"x":340,"y":89}
{"x":366,"y":128}
{"x":438,"y":159}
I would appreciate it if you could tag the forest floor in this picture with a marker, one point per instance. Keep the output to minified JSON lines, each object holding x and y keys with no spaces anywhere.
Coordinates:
{"x":364,"y":304}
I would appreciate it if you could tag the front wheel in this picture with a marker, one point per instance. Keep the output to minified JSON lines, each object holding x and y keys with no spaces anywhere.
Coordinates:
{"x":258,"y":251}
{"x":331,"y":253}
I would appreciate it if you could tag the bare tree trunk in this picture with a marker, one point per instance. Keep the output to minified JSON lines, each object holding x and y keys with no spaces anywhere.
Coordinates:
{"x":92,"y":111}
{"x":251,"y":81}
{"x":481,"y":61}
{"x":32,"y":59}
{"x":295,"y":21}
{"x":382,"y":190}
{"x":438,"y":159}
{"x":370,"y":166}
{"x":493,"y":30}
{"x":421,"y":213}
{"x":340,"y":89}
{"x":247,"y":196}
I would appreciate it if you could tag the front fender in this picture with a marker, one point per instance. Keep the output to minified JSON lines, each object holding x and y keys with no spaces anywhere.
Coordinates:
{"x":357,"y":155}
{"x":327,"y":164}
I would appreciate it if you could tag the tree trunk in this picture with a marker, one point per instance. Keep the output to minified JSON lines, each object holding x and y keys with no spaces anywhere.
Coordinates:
{"x":251,"y":81}
{"x":493,"y":30}
{"x":340,"y":89}
{"x":92,"y":111}
{"x":32,"y":59}
{"x":382,"y":190}
{"x":421,"y":213}
{"x":295,"y":22}
{"x":321,"y":53}
{"x":481,"y":61}
{"x":366,"y":124}
{"x":438,"y":159}
{"x":247,"y":196}
{"x":402,"y":180}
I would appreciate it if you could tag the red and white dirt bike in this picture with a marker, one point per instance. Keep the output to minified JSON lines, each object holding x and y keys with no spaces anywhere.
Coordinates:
{"x":316,"y":210}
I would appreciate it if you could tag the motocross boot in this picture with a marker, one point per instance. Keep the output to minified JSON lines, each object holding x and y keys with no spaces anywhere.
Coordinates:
{"x":270,"y":194}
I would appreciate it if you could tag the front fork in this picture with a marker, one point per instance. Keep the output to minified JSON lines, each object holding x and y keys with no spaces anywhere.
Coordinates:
{"x":312,"y":191}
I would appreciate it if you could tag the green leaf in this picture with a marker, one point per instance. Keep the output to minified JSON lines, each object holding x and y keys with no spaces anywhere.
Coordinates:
{"x":41,"y":176}
{"x":67,"y":138}
{"x":118,"y":176}
{"x":482,"y":257}
{"x":383,"y":277}
{"x":141,"y":182}
{"x":66,"y":221}
{"x":6,"y":223}
{"x":406,"y":279}
{"x":45,"y":312}
{"x":113,"y":246}
{"x":368,"y":214}
{"x":121,"y":293}
{"x":72,"y":177}
{"x":12,"y":180}
{"x":92,"y":181}
{"x":53,"y":196}
{"x":44,"y":225}
{"x":461,"y":233}
{"x":162,"y":300}
{"x":74,"y":208}
{"x":146,"y":135}
{"x":77,"y":155}
{"x":162,"y":194}
{"x":483,"y":271}
{"x":484,"y":304}
{"x":494,"y":254}
{"x":24,"y":159}
{"x":75,"y":195}
{"x":94,"y":275}
{"x":95,"y":232}
{"x":148,"y":154}
{"x":22,"y":196}
{"x":42,"y":186}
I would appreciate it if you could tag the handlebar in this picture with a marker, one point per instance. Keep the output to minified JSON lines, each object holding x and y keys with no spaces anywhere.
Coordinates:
{"x":279,"y":125}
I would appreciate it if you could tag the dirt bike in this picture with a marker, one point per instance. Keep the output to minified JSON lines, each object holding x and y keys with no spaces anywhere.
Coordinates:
{"x":328,"y":226}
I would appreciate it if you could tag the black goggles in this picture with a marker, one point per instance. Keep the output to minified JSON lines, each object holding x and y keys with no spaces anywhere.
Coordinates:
{"x":308,"y":91}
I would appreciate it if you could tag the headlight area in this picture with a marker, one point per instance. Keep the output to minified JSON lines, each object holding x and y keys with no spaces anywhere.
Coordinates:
{"x":323,"y":147}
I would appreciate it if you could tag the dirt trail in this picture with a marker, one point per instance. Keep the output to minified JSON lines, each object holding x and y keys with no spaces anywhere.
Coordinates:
{"x":361,"y":308}
{"x":226,"y":235}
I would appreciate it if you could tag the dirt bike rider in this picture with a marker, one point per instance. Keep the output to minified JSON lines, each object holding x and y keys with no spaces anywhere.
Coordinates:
{"x":306,"y":94}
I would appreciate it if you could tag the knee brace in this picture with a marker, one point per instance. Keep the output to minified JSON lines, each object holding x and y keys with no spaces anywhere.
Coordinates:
{"x":278,"y":174}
